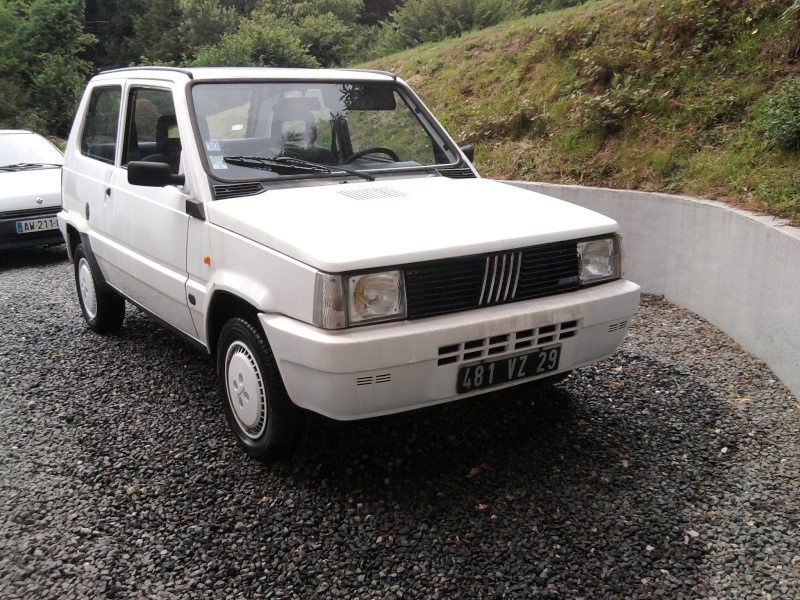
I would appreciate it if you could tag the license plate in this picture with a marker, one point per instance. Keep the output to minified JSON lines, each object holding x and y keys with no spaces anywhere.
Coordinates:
{"x":34,"y":225}
{"x":503,"y":370}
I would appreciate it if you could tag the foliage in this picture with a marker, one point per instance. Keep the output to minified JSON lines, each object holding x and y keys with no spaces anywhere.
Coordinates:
{"x":780,"y":120}
{"x":420,"y":21}
{"x":41,"y":65}
{"x":12,"y":94}
{"x":282,"y":33}
{"x":260,"y":41}
{"x":111,"y":22}
{"x":101,"y":34}
{"x":328,"y":39}
{"x":205,"y":22}
{"x":683,"y":96}
{"x":532,"y":7}
{"x":56,"y":89}
{"x":150,"y":44}
{"x":52,"y":27}
{"x":376,"y":11}
{"x":688,"y":96}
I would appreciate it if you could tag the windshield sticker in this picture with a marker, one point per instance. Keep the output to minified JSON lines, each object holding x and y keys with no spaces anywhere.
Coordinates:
{"x":218,"y":162}
{"x":212,"y":146}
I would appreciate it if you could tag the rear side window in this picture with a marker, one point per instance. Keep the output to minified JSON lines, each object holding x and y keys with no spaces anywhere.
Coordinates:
{"x":99,"y":137}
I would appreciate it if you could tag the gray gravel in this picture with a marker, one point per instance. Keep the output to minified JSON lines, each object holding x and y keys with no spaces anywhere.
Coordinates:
{"x":670,"y":470}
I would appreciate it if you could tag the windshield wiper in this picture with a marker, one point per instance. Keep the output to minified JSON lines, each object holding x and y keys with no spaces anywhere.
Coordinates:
{"x":287,"y":165}
{"x":21,"y":166}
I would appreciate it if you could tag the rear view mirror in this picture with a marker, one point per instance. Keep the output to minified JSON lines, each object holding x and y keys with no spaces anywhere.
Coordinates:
{"x":152,"y":174}
{"x":358,"y":96}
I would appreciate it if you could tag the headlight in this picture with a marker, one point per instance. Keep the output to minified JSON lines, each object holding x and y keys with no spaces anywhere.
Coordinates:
{"x":375,"y":297}
{"x":358,"y":299}
{"x":600,"y":260}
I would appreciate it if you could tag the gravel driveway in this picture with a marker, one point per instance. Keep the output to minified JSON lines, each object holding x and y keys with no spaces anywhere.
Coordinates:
{"x":670,"y":470}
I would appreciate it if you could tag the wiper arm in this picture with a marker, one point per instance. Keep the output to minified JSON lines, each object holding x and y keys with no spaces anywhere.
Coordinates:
{"x":287,"y":165}
{"x":19,"y":166}
{"x":281,"y":165}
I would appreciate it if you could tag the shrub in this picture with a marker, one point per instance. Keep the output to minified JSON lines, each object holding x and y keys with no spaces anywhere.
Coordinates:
{"x":524,"y":120}
{"x":56,"y":90}
{"x":259,"y":42}
{"x":421,"y":21}
{"x":780,"y":120}
{"x":609,"y":111}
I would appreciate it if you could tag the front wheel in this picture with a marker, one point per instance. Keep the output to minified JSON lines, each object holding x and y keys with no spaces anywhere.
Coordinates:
{"x":257,"y":407}
{"x":104,"y":311}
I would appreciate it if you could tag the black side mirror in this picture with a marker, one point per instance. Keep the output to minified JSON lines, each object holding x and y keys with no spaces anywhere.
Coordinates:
{"x":152,"y":174}
{"x":469,"y":152}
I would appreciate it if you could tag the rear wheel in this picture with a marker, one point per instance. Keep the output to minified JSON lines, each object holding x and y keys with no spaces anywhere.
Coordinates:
{"x":104,"y":311}
{"x":257,"y":407}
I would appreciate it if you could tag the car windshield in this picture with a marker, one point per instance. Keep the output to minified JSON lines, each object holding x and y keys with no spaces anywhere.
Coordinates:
{"x":27,"y":151}
{"x":325,"y":128}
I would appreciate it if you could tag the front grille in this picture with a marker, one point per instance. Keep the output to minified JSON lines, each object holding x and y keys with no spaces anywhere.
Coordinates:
{"x":31,"y":213}
{"x":446,"y":286}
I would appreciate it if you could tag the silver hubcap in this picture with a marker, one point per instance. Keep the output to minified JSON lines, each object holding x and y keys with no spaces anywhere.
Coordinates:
{"x":86,"y":288}
{"x":246,"y":393}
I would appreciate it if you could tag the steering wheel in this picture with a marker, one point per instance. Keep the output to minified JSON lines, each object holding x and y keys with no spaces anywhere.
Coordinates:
{"x":372,"y":150}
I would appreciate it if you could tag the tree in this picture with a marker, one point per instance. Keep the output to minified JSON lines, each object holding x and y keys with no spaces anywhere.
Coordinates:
{"x":13,"y":94}
{"x":204,"y":23}
{"x":375,"y":11}
{"x":52,"y":27}
{"x":111,"y":22}
{"x":56,"y":90}
{"x":50,"y":43}
{"x":329,"y":29}
{"x":155,"y":38}
{"x":262,"y":41}
{"x":332,"y":42}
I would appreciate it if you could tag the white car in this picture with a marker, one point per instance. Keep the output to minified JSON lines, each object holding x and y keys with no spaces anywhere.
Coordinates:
{"x":30,"y":190}
{"x":321,"y":234}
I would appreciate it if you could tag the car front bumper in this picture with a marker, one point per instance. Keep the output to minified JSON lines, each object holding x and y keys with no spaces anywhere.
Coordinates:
{"x":382,"y":369}
{"x":11,"y":238}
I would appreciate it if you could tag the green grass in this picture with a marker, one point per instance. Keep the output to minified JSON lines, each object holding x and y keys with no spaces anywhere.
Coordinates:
{"x":658,"y":96}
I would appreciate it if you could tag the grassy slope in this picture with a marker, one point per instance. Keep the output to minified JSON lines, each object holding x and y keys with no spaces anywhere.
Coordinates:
{"x":652,"y":95}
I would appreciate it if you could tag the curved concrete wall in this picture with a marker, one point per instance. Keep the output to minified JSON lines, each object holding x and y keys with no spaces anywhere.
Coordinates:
{"x":738,"y":270}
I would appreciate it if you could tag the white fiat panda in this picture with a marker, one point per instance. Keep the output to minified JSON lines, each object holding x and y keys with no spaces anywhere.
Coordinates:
{"x":322,"y":236}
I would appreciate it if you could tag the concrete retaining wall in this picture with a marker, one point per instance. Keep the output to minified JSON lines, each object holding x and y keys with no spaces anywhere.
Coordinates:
{"x":738,"y":270}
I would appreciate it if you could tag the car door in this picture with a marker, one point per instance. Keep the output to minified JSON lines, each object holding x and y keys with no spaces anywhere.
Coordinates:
{"x":148,"y":226}
{"x":89,"y":166}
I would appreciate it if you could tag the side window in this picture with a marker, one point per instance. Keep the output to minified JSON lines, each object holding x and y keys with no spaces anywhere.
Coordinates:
{"x":99,"y":137}
{"x":151,"y":128}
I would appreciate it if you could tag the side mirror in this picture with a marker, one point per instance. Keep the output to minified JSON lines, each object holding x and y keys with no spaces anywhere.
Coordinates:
{"x":152,"y":174}
{"x":469,"y":152}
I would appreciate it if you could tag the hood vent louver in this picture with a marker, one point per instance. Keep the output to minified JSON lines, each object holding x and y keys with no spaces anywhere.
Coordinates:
{"x":457,"y":173}
{"x":235,"y":190}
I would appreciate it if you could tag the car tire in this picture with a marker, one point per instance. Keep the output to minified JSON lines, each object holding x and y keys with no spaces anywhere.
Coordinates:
{"x":104,"y":311}
{"x":257,"y":407}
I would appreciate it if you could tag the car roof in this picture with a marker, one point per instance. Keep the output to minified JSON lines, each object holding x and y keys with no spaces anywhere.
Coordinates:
{"x":16,"y":131}
{"x":245,"y":74}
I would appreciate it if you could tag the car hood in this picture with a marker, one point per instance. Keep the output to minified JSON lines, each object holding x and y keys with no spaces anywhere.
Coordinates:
{"x":352,"y":226}
{"x":21,"y":190}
